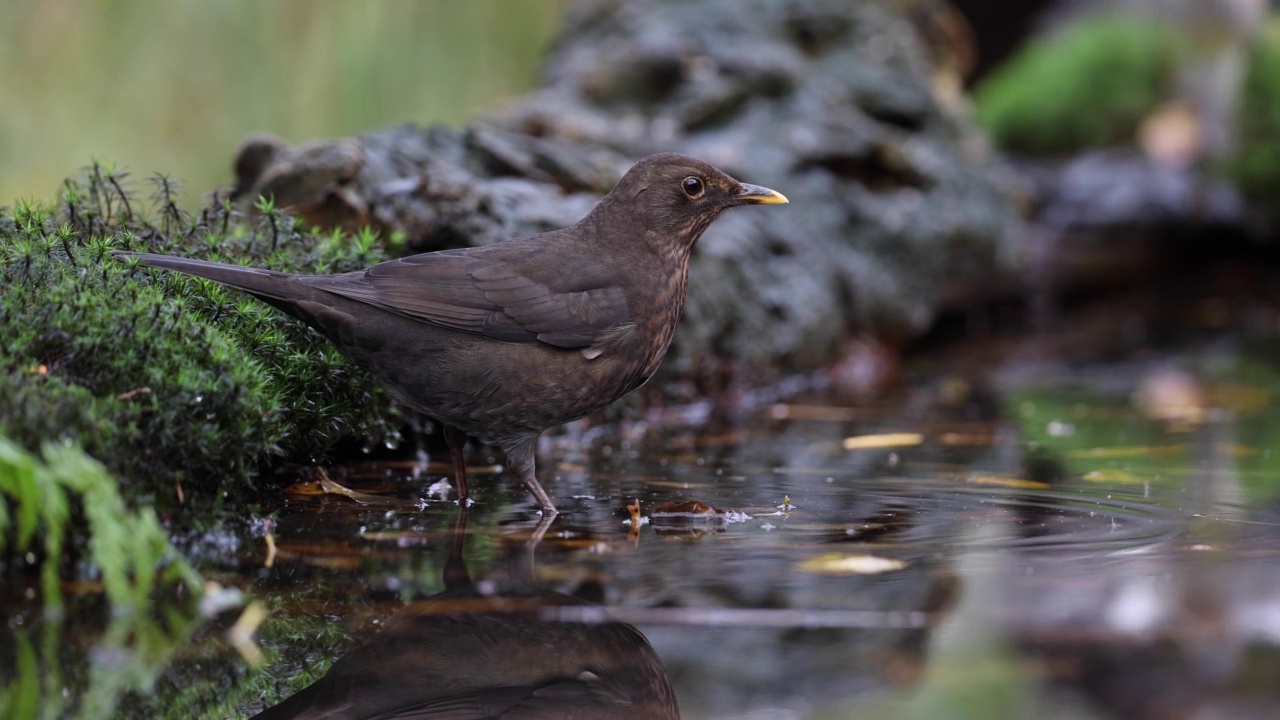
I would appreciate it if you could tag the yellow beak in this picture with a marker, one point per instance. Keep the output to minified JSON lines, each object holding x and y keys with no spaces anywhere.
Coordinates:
{"x":756,"y":195}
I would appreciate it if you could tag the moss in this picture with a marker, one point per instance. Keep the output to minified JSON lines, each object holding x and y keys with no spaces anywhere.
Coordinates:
{"x":1256,"y":166}
{"x":209,"y":680}
{"x":1087,"y":86}
{"x":162,"y":377}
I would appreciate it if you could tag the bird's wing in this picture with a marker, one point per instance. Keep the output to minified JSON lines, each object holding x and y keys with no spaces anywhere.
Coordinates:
{"x":504,"y":296}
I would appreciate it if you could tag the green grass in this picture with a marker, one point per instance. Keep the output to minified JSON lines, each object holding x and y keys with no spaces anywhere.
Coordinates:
{"x":173,"y":86}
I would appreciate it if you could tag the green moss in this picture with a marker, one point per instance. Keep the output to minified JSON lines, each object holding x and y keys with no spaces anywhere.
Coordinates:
{"x":1256,"y":166}
{"x":1087,"y":86}
{"x":164,"y":378}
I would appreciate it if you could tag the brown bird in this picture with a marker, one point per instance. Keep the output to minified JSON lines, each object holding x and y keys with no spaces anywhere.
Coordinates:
{"x":501,"y":342}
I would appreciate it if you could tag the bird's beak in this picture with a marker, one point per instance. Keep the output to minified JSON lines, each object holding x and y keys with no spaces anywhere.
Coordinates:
{"x":756,"y":195}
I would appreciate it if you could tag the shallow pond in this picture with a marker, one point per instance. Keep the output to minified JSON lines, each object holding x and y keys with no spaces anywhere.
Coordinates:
{"x":1047,"y":542}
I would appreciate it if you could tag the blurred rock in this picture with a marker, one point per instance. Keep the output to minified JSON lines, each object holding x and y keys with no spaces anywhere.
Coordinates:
{"x":894,"y":205}
{"x":1119,"y":191}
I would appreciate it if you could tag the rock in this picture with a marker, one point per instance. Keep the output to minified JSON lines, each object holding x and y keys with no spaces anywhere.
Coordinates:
{"x":1117,"y":190}
{"x":894,"y":200}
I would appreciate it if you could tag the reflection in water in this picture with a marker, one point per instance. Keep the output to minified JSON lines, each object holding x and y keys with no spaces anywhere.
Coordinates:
{"x":1073,"y":558}
{"x":464,"y":654}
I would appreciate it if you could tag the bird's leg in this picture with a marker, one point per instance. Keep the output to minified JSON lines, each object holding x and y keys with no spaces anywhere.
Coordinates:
{"x":520,"y":460}
{"x":521,"y":565}
{"x":457,"y":440}
{"x":456,"y":576}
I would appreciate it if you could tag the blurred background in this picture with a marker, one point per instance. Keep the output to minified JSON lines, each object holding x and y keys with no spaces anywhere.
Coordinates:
{"x":174,"y":87}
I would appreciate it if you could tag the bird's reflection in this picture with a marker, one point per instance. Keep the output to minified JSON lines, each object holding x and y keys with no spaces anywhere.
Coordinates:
{"x":462,"y":654}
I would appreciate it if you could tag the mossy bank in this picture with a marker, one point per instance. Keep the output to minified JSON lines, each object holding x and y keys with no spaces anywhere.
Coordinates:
{"x":182,"y":388}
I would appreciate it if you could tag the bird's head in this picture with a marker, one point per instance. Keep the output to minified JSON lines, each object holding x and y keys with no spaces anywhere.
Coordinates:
{"x":676,"y":197}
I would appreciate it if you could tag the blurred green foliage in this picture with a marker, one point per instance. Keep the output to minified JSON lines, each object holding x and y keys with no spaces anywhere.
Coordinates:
{"x":49,"y":503}
{"x":1088,"y":86}
{"x":40,"y":682}
{"x":40,"y":496}
{"x":163,"y":378}
{"x":173,"y":86}
{"x":1256,"y":168}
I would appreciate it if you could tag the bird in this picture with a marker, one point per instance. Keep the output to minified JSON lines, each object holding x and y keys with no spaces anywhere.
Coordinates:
{"x":500,"y":342}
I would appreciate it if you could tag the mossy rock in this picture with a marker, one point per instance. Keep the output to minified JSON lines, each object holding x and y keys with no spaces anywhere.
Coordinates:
{"x":163,"y":378}
{"x":1088,"y":86}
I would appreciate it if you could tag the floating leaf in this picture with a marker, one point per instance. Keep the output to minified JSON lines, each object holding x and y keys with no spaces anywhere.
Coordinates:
{"x":846,"y":564}
{"x":1109,"y":475}
{"x":672,"y":515}
{"x":687,"y":507}
{"x":968,"y":439}
{"x":240,"y":636}
{"x":881,"y":441}
{"x":1010,"y":482}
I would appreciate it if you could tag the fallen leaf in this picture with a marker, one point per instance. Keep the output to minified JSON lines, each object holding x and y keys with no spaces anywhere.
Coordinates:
{"x":240,"y":636}
{"x":687,"y":507}
{"x":845,"y":564}
{"x":1109,"y":475}
{"x":1010,"y":482}
{"x":884,"y":440}
{"x":271,"y":551}
{"x":682,"y":514}
{"x":130,"y":394}
{"x":304,"y":487}
{"x":968,"y":439}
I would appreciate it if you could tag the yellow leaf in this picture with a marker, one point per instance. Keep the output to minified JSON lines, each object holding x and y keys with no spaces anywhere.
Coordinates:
{"x":240,"y":636}
{"x":1010,"y":482}
{"x":845,"y":564}
{"x":885,"y":440}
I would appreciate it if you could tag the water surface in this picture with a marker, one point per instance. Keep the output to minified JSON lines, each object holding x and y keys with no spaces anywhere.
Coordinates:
{"x":1088,"y":543}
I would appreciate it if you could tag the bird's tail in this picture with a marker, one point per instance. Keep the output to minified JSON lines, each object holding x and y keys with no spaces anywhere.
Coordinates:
{"x":263,"y":283}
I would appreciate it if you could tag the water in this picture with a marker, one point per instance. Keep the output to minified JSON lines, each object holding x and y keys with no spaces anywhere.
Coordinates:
{"x":1101,"y":544}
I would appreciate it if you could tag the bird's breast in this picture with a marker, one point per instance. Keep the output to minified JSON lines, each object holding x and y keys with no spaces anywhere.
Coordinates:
{"x":656,"y":321}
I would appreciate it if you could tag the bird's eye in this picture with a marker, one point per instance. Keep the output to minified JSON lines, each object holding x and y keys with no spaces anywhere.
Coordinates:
{"x":693,"y":187}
